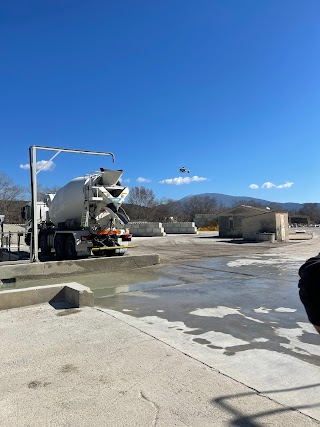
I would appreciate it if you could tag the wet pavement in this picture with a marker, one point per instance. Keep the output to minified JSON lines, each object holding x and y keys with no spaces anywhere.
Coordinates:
{"x":85,"y":368}
{"x":247,"y":302}
{"x":254,"y":307}
{"x":239,"y":314}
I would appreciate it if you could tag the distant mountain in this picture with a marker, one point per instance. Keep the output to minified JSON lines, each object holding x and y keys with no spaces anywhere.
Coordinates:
{"x":231,"y":201}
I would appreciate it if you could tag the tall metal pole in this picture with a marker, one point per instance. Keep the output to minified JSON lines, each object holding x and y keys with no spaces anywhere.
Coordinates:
{"x":1,"y":229}
{"x":34,"y":247}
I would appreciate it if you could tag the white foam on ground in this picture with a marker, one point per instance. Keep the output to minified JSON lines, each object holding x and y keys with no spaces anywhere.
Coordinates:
{"x":261,"y":262}
{"x":221,"y":311}
{"x":292,"y":261}
{"x":262,"y":310}
{"x":260,"y":340}
{"x":285,"y":310}
{"x":221,"y":339}
{"x":295,"y":344}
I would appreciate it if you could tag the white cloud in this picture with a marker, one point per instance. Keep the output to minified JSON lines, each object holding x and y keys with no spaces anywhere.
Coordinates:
{"x":181,"y":181}
{"x":49,"y":165}
{"x":254,"y":186}
{"x":287,"y":184}
{"x":268,"y":184}
{"x":126,"y":180}
{"x":26,"y":166}
{"x":140,"y":179}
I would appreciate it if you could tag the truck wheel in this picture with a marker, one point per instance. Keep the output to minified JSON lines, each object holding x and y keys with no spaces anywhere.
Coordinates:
{"x":45,"y":249}
{"x":27,"y":239}
{"x":59,"y":246}
{"x":71,"y":252}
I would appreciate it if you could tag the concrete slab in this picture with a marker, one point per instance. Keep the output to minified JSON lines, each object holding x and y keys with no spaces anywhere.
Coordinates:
{"x":25,"y":271}
{"x":83,"y":367}
{"x":75,"y":368}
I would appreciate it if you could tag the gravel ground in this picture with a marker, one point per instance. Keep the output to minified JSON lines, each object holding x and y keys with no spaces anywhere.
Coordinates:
{"x":173,"y":248}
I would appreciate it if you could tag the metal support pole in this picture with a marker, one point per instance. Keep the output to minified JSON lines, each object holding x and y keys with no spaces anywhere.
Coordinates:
{"x":1,"y":229}
{"x":19,"y":238}
{"x":34,"y":257}
{"x":9,"y":246}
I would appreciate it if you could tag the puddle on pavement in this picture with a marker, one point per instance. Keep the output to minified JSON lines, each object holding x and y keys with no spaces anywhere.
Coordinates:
{"x":104,"y":284}
{"x":219,"y":269}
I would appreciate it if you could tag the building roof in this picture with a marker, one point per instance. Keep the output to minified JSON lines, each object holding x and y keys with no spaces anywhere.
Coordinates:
{"x":242,"y":208}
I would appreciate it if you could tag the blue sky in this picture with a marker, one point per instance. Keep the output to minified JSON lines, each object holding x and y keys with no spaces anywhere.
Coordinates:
{"x":229,"y":89}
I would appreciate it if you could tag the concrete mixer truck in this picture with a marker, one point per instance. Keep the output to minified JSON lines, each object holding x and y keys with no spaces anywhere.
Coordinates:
{"x":83,"y":218}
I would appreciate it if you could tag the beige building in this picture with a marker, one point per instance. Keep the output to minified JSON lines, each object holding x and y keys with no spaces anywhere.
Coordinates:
{"x":252,"y":223}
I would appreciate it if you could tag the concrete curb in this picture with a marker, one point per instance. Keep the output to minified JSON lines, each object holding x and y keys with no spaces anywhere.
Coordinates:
{"x":92,"y":265}
{"x":300,"y":236}
{"x":74,"y":295}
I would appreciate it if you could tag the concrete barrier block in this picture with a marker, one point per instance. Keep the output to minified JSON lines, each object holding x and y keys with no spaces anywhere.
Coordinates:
{"x":30,"y":296}
{"x":266,"y":237}
{"x":79,"y":295}
{"x":180,"y":228}
{"x":75,"y":294}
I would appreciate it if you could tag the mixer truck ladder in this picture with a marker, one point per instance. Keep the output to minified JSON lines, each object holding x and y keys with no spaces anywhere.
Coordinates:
{"x":91,"y":195}
{"x":85,"y":212}
{"x":85,"y":215}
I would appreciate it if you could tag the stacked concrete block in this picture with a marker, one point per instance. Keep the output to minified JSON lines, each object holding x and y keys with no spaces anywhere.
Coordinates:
{"x":180,"y":228}
{"x":146,"y":229}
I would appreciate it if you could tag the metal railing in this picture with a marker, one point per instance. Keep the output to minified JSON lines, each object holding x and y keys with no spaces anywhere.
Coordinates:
{"x":11,"y":243}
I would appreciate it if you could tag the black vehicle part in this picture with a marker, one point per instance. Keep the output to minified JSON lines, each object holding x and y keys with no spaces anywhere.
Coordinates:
{"x":43,"y":245}
{"x":60,"y":247}
{"x":71,"y":252}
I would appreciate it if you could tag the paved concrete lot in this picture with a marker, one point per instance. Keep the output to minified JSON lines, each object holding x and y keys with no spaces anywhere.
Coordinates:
{"x":83,"y":367}
{"x":252,"y":328}
{"x":240,"y":314}
{"x":231,"y":308}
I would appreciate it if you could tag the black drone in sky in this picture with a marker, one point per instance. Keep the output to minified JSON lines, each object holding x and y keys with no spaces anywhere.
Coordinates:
{"x":184,"y":170}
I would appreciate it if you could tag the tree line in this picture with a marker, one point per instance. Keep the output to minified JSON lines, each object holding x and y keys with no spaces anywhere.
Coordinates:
{"x":141,"y":204}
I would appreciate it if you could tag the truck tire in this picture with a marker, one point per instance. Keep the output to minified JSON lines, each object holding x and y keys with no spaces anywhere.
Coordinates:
{"x":71,"y":252}
{"x":27,"y":239}
{"x":60,"y":248}
{"x":43,"y":245}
